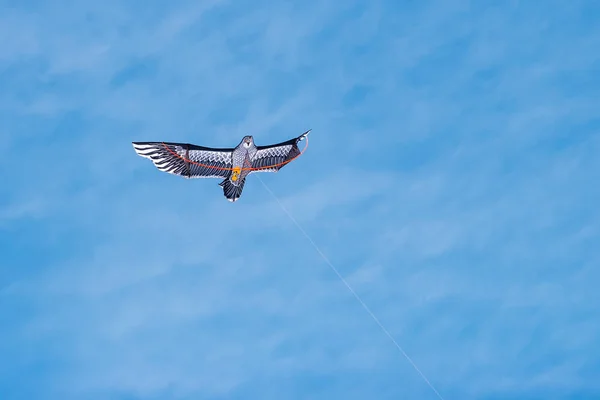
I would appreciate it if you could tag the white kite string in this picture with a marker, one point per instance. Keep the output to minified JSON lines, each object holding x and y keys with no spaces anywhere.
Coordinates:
{"x":334,"y":269}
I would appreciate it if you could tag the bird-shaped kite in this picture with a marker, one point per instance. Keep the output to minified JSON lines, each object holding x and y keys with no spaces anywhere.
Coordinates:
{"x":231,"y":164}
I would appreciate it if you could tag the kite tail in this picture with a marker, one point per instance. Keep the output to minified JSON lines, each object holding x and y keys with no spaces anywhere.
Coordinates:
{"x":232,"y":192}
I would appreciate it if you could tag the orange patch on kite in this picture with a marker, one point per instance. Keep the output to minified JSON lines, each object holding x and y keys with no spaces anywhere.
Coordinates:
{"x":236,"y":173}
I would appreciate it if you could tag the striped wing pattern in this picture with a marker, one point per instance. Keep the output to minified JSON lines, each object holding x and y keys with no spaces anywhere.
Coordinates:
{"x":183,"y":159}
{"x":271,"y":158}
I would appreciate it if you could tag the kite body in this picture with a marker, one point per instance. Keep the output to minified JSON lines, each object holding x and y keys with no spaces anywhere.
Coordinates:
{"x":233,"y":165}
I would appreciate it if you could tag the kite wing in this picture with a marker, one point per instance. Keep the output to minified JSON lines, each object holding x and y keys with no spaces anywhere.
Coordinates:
{"x":187,"y":160}
{"x":274,"y":157}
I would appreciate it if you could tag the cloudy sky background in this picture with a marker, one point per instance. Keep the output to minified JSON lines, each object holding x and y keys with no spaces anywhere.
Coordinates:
{"x":451,"y":177}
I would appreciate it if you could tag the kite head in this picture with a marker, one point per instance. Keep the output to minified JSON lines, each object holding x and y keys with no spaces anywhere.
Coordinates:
{"x":247,"y":141}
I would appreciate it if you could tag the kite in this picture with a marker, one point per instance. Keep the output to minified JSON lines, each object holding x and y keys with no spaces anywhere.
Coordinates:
{"x":231,"y":164}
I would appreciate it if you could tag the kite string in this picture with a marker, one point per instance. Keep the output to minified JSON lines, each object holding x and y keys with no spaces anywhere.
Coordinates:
{"x":187,"y":160}
{"x":362,"y":303}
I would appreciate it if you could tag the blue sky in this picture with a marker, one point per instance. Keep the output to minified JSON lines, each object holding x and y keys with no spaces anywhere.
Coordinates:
{"x":451,"y":178}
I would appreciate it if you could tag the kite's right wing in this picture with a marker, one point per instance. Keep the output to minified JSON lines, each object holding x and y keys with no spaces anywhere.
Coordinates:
{"x":274,"y":157}
{"x":187,"y":160}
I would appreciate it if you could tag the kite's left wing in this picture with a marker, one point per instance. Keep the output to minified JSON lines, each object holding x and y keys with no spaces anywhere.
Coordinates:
{"x":274,"y":157}
{"x":187,"y":160}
